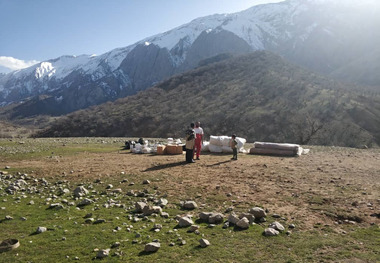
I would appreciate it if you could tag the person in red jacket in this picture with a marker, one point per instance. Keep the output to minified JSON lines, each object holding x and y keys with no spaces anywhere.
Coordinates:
{"x":198,"y":139}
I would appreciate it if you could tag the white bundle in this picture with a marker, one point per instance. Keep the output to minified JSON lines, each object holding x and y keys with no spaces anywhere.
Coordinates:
{"x":146,"y":150}
{"x":215,"y":140}
{"x":215,"y":148}
{"x":205,"y":146}
{"x":226,"y":149}
{"x":224,"y":143}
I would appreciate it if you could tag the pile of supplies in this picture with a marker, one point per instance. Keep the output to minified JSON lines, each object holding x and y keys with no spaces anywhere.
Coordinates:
{"x":221,"y":144}
{"x":172,"y":147}
{"x":281,"y":149}
{"x":143,"y":146}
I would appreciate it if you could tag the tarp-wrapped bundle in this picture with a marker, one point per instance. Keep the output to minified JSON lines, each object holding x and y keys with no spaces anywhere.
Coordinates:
{"x":283,"y":149}
{"x":221,"y":144}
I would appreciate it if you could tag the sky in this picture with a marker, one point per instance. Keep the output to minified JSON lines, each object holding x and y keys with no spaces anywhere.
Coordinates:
{"x":38,"y":30}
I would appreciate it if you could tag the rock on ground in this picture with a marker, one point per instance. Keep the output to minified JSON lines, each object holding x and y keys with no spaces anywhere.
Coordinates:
{"x":152,"y":247}
{"x":185,"y":222}
{"x":276,"y":225}
{"x":243,"y":223}
{"x":271,"y":232}
{"x":257,"y":212}
{"x":204,"y":243}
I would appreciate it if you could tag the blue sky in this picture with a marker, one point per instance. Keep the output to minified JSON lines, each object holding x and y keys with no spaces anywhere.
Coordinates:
{"x":37,"y":30}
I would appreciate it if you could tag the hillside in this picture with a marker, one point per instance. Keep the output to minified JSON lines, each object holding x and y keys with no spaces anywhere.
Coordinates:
{"x":258,"y":96}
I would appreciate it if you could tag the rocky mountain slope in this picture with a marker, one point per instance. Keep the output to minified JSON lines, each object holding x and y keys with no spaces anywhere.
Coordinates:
{"x":332,"y":37}
{"x":258,"y":96}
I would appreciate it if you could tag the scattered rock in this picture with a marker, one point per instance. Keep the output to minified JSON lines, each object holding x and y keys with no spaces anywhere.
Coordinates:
{"x":216,"y":218}
{"x":204,"y":243}
{"x":100,"y":221}
{"x":146,"y":182}
{"x":193,"y":228}
{"x":139,"y":206}
{"x":271,"y":232}
{"x":103,"y":253}
{"x":243,"y":223}
{"x":276,"y":225}
{"x":185,"y":222}
{"x":56,"y":206}
{"x":189,"y":205}
{"x":233,"y":219}
{"x":41,"y":229}
{"x":152,"y":247}
{"x":85,"y":202}
{"x":257,"y":212}
{"x":80,"y":191}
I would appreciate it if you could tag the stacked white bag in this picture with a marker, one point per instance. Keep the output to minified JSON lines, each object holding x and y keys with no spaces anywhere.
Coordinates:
{"x":221,"y":144}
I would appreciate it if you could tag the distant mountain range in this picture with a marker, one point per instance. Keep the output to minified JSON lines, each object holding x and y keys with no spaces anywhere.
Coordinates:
{"x":337,"y":38}
{"x":258,"y":96}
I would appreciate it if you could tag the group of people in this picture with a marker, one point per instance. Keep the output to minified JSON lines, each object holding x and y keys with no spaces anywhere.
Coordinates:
{"x":194,"y":141}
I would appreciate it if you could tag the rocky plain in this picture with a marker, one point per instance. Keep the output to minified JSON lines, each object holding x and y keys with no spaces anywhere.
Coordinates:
{"x":89,"y":199}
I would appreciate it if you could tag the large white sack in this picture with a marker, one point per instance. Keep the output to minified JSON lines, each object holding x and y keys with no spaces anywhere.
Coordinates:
{"x":146,"y":150}
{"x":215,"y":140}
{"x":215,"y":148}
{"x":205,"y":146}
{"x":226,"y":149}
{"x":241,"y":142}
{"x":225,"y":140}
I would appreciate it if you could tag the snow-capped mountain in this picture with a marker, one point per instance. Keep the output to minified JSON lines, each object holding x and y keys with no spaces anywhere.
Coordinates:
{"x":322,"y":35}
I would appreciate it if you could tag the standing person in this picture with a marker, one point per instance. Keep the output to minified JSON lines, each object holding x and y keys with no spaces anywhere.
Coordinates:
{"x":233,"y":145}
{"x":190,"y":142}
{"x":198,"y":139}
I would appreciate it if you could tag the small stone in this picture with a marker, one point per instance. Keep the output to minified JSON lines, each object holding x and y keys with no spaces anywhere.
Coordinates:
{"x":139,"y":206}
{"x":109,"y":186}
{"x":193,"y":228}
{"x":80,"y":191}
{"x":233,"y":219}
{"x":189,"y":205}
{"x":185,"y":222}
{"x":100,"y":221}
{"x":152,"y":247}
{"x":204,"y":243}
{"x":89,"y":220}
{"x":164,"y":215}
{"x":103,"y":253}
{"x":276,"y":225}
{"x":88,"y":215}
{"x":292,"y":226}
{"x":115,"y":245}
{"x":162,"y":202}
{"x":271,"y":232}
{"x":243,"y":223}
{"x":85,"y":202}
{"x":216,"y":218}
{"x":204,"y":216}
{"x":257,"y":212}
{"x":41,"y":229}
{"x":56,"y":206}
{"x":146,"y":182}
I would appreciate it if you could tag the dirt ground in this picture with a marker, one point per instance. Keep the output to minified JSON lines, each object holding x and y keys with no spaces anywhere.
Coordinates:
{"x":329,"y":186}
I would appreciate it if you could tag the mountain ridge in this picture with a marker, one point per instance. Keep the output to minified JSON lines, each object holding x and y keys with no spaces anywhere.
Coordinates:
{"x":297,"y":30}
